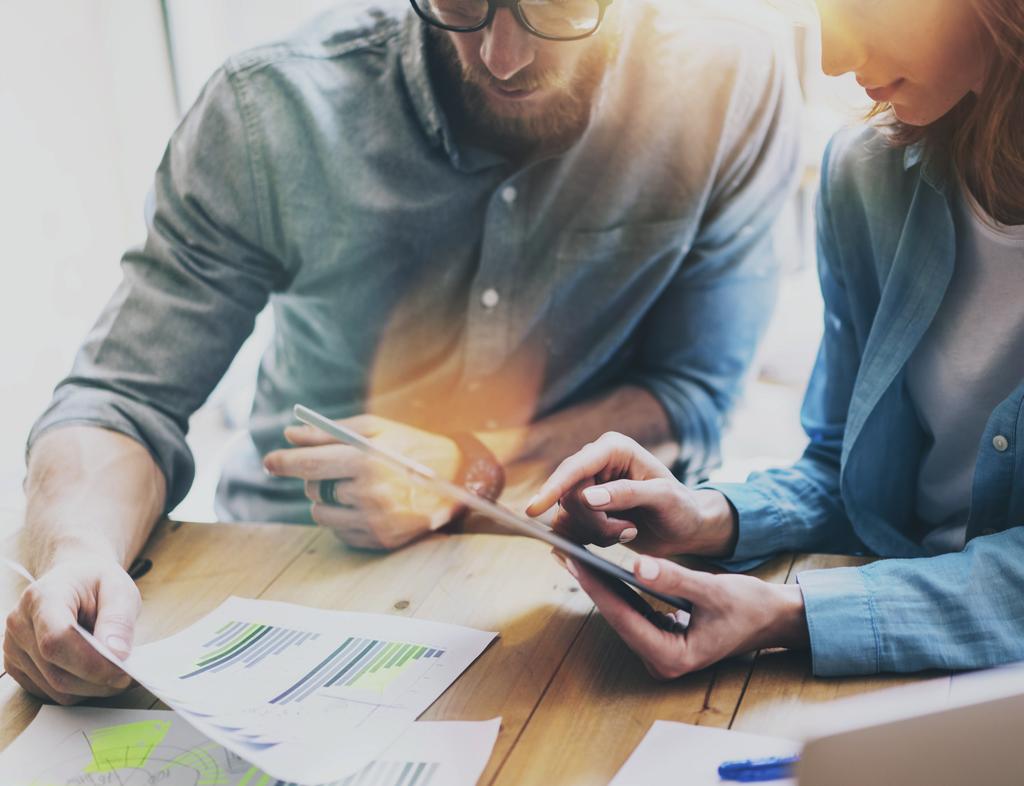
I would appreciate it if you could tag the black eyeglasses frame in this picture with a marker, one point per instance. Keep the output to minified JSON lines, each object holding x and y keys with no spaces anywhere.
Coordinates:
{"x":513,"y":6}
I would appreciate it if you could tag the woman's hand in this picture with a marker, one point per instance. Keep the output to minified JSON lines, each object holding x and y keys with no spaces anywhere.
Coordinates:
{"x":731,"y":614}
{"x":614,"y":491}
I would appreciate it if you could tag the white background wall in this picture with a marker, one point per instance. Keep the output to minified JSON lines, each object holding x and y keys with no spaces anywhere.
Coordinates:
{"x":204,"y":32}
{"x":86,"y":105}
{"x":88,"y":101}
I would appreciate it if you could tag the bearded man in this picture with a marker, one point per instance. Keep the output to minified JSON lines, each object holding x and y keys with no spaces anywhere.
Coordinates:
{"x":489,"y":230}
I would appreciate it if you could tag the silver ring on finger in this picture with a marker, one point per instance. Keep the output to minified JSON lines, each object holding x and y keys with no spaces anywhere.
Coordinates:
{"x":328,"y":492}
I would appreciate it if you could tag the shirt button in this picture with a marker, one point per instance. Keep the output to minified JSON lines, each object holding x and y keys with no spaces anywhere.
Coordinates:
{"x":1001,"y":443}
{"x":490,"y":298}
{"x":508,"y":195}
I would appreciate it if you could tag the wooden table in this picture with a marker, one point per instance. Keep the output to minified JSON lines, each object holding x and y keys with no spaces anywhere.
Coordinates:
{"x":574,"y":700}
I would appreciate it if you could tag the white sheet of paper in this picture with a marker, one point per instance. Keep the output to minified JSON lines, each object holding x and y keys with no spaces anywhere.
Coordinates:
{"x":83,"y":746}
{"x":310,"y":696}
{"x":680,"y":753}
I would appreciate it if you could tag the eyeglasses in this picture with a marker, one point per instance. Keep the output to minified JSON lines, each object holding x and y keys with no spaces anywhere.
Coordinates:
{"x":554,"y":20}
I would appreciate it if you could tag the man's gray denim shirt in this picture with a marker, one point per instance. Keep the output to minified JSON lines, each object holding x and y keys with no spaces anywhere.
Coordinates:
{"x":437,"y":284}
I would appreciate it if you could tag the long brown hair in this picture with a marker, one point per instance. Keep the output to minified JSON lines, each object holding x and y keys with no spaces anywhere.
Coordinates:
{"x":983,"y":136}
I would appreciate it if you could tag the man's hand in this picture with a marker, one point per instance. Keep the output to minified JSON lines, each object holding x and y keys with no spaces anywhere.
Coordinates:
{"x":46,"y":655}
{"x":614,"y":491}
{"x":731,"y":614}
{"x":377,"y":507}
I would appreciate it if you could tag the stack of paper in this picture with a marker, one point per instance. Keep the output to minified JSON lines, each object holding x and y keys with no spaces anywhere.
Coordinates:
{"x":308,"y":696}
{"x":99,"y":747}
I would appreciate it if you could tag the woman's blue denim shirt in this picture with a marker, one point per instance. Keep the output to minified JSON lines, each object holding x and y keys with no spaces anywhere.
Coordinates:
{"x":886,"y":244}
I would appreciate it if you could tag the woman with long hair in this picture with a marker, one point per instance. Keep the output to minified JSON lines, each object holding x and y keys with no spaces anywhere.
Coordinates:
{"x":915,"y":409}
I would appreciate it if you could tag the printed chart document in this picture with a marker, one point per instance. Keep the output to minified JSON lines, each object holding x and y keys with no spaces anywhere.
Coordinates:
{"x":681,"y":753}
{"x":309,"y":696}
{"x":104,"y":747}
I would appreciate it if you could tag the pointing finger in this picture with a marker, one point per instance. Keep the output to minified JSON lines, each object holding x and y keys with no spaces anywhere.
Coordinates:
{"x":587,"y":463}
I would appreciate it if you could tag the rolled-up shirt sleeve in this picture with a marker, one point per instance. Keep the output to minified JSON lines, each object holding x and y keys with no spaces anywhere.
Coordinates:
{"x":955,"y":611}
{"x":189,"y":297}
{"x":697,"y":343}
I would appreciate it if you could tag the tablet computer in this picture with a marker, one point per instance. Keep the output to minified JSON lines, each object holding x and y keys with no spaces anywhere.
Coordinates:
{"x":613,"y":575}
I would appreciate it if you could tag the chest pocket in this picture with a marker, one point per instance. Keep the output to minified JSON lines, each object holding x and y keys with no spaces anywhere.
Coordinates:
{"x":605,"y":280}
{"x":674,"y":234}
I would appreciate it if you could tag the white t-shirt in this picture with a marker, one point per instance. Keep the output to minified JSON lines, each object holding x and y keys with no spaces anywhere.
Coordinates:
{"x":969,"y":361}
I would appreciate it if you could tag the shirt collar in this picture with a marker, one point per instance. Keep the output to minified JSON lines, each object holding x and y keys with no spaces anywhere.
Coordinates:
{"x":934,"y":169}
{"x":912,"y":155}
{"x":416,"y":70}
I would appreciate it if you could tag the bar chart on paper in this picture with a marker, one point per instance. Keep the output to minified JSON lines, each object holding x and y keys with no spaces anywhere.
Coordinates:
{"x":367,"y":664}
{"x":431,"y":754}
{"x":394,"y":772}
{"x":305,"y":694}
{"x":389,"y":773}
{"x":242,"y":644}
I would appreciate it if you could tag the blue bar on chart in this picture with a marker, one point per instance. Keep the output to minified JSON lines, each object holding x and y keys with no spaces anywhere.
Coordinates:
{"x":368,"y":664}
{"x":246,"y":645}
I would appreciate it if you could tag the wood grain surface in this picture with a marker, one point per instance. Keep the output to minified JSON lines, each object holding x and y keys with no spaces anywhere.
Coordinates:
{"x":573,"y":699}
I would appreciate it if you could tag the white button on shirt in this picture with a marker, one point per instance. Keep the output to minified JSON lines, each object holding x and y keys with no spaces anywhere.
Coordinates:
{"x":1001,"y":443}
{"x":490,"y":298}
{"x":509,"y":194}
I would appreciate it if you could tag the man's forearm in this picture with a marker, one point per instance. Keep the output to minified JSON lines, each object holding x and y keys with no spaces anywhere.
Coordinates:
{"x":90,"y":490}
{"x":529,"y":454}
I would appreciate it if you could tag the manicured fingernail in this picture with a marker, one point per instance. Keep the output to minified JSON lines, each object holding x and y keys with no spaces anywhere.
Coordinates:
{"x":597,"y":497}
{"x":532,"y":502}
{"x":628,"y":535}
{"x":118,"y":645}
{"x":647,"y":568}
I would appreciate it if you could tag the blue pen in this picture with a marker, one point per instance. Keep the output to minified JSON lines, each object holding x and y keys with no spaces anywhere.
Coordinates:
{"x":772,"y":768}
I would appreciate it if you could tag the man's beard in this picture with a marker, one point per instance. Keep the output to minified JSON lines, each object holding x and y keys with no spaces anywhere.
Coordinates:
{"x":552,"y":127}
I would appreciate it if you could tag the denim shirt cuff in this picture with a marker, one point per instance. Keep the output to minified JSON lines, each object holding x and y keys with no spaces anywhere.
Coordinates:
{"x":760,"y":528}
{"x":840,"y":620}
